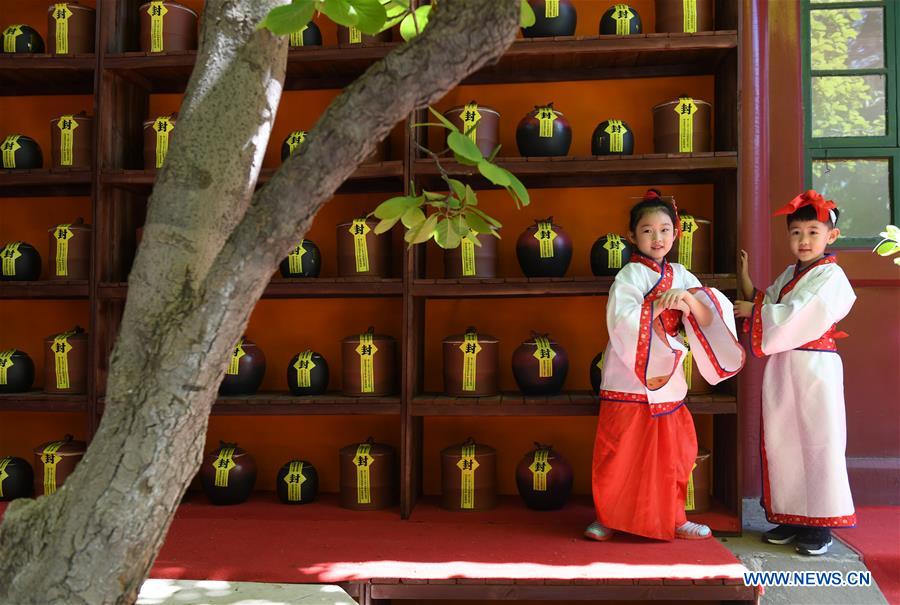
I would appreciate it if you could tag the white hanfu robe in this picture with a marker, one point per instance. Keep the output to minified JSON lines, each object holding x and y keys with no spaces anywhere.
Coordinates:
{"x":804,"y":431}
{"x":646,"y":444}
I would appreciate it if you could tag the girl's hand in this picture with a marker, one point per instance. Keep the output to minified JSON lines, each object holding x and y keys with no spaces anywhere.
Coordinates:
{"x":743,"y":308}
{"x":671,"y":298}
{"x":684,"y":307}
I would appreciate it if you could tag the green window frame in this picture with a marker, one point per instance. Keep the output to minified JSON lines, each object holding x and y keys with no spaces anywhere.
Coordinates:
{"x":838,"y":148}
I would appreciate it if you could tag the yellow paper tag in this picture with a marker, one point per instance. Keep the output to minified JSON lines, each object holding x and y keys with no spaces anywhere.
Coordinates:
{"x":359,"y":229}
{"x":547,"y":116}
{"x":688,"y":364}
{"x":545,"y":236}
{"x":236,"y":354}
{"x":355,"y":35}
{"x":551,"y":9}
{"x":62,"y":234}
{"x":468,"y":465}
{"x":50,"y":459}
{"x":614,"y":246}
{"x":67,"y":125}
{"x":295,"y":258}
{"x":616,"y":131}
{"x":366,"y":351}
{"x":689,"y":503}
{"x":61,"y":348}
{"x":467,"y":247}
{"x":623,"y":15}
{"x":599,"y":364}
{"x":304,"y":366}
{"x":686,"y":244}
{"x":297,"y":36}
{"x":470,"y":117}
{"x":6,"y":363}
{"x":544,"y":353}
{"x":363,"y":461}
{"x":10,"y":254}
{"x":540,"y":468}
{"x":295,"y":481}
{"x":223,"y":465}
{"x":4,"y":462}
{"x":9,"y":38}
{"x":163,"y":127}
{"x":61,"y":14}
{"x":685,"y":108}
{"x":470,"y":349}
{"x":157,"y":11}
{"x":689,"y":8}
{"x":10,"y":146}
{"x":297,"y":137}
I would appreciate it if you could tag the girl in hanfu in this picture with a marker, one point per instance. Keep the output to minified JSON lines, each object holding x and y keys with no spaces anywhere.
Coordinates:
{"x":804,"y":432}
{"x":646,"y":446}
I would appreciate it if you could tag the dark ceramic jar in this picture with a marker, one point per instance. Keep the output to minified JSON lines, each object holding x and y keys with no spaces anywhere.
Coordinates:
{"x":228,"y":474}
{"x":369,"y":478}
{"x":16,"y":479}
{"x":70,"y":28}
{"x":471,"y":364}
{"x":673,"y":132}
{"x":597,"y":372}
{"x":540,"y":366}
{"x":620,"y":20}
{"x":469,"y":260}
{"x":71,"y":141}
{"x":310,"y":35}
{"x":361,"y":252}
{"x":54,"y":462}
{"x":544,"y":478}
{"x":158,"y":135}
{"x":673,"y":16}
{"x":21,"y":152}
{"x":167,"y":27}
{"x":246,"y":369}
{"x":16,"y":371}
{"x":297,"y":482}
{"x":609,"y":254}
{"x":65,"y":362}
{"x":304,"y":260}
{"x":612,"y":137}
{"x":551,"y":19}
{"x":22,"y":39}
{"x":468,"y":477}
{"x":307,"y":374}
{"x":544,"y":250}
{"x":369,"y":365}
{"x":544,"y":132}
{"x":70,"y":251}
{"x":21,"y":262}
{"x":353,"y":37}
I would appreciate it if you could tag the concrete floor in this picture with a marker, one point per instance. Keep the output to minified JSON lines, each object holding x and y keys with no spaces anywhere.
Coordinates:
{"x":757,"y":555}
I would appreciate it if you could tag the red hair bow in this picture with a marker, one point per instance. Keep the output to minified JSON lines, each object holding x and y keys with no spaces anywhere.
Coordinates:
{"x":810,"y":198}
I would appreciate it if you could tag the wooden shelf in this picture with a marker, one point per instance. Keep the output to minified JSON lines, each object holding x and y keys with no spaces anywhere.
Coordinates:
{"x":380,"y":176}
{"x":56,"y":289}
{"x":38,"y":401}
{"x":574,"y":403}
{"x":527,"y":60}
{"x":536,"y":286}
{"x":284,"y":404}
{"x":45,"y":183}
{"x":26,"y":74}
{"x":317,"y":287}
{"x":596,"y":171}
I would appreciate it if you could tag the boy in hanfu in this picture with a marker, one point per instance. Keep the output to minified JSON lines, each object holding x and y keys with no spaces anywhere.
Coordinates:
{"x":804,"y":434}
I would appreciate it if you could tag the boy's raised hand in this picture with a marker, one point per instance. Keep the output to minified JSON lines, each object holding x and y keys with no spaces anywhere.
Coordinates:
{"x":744,"y":263}
{"x":743,"y":308}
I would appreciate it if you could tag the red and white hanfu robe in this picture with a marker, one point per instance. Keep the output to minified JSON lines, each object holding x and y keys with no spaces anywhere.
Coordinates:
{"x":804,"y":430}
{"x":646,"y":445}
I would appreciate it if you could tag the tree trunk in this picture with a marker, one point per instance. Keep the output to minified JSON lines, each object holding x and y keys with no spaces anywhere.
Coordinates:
{"x":208,"y":251}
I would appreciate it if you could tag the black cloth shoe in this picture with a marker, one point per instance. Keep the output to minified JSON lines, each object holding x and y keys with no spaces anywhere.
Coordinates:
{"x":783,"y":534}
{"x":814,"y":541}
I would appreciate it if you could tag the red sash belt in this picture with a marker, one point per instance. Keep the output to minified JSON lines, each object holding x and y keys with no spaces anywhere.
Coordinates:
{"x":826,"y":342}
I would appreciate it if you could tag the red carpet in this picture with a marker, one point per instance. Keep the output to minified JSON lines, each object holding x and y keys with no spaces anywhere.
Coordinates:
{"x":876,"y":538}
{"x":265,"y":541}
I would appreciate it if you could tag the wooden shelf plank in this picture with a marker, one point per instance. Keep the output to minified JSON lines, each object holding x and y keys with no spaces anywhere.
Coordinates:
{"x":45,"y":183}
{"x":38,"y":401}
{"x":285,"y":404}
{"x":26,"y":74}
{"x":62,"y":289}
{"x":537,"y":286}
{"x":573,"y":403}
{"x":318,"y":287}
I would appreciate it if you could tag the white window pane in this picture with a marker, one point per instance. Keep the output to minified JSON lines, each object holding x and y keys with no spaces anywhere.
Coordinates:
{"x":847,"y":38}
{"x":848,"y":106}
{"x":861,"y":188}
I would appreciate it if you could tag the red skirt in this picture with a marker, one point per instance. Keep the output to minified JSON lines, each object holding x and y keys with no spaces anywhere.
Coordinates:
{"x":641,"y":468}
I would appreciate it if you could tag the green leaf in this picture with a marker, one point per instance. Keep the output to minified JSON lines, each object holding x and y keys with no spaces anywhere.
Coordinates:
{"x":459,"y":224}
{"x":433,"y":196}
{"x":494,"y":153}
{"x":495,"y":174}
{"x":887,"y":248}
{"x":414,"y":23}
{"x":458,"y":187}
{"x":394,"y":207}
{"x":413,"y":217}
{"x":385,"y":225}
{"x":470,"y":197}
{"x":423,"y":232}
{"x":486,"y":217}
{"x":445,"y":236}
{"x":518,"y":189}
{"x":454,"y":203}
{"x":284,"y":20}
{"x":339,"y":11}
{"x":370,"y":15}
{"x":897,"y":261}
{"x":891,"y":232}
{"x":447,"y":123}
{"x":526,"y":14}
{"x":464,"y":146}
{"x":478,"y":224}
